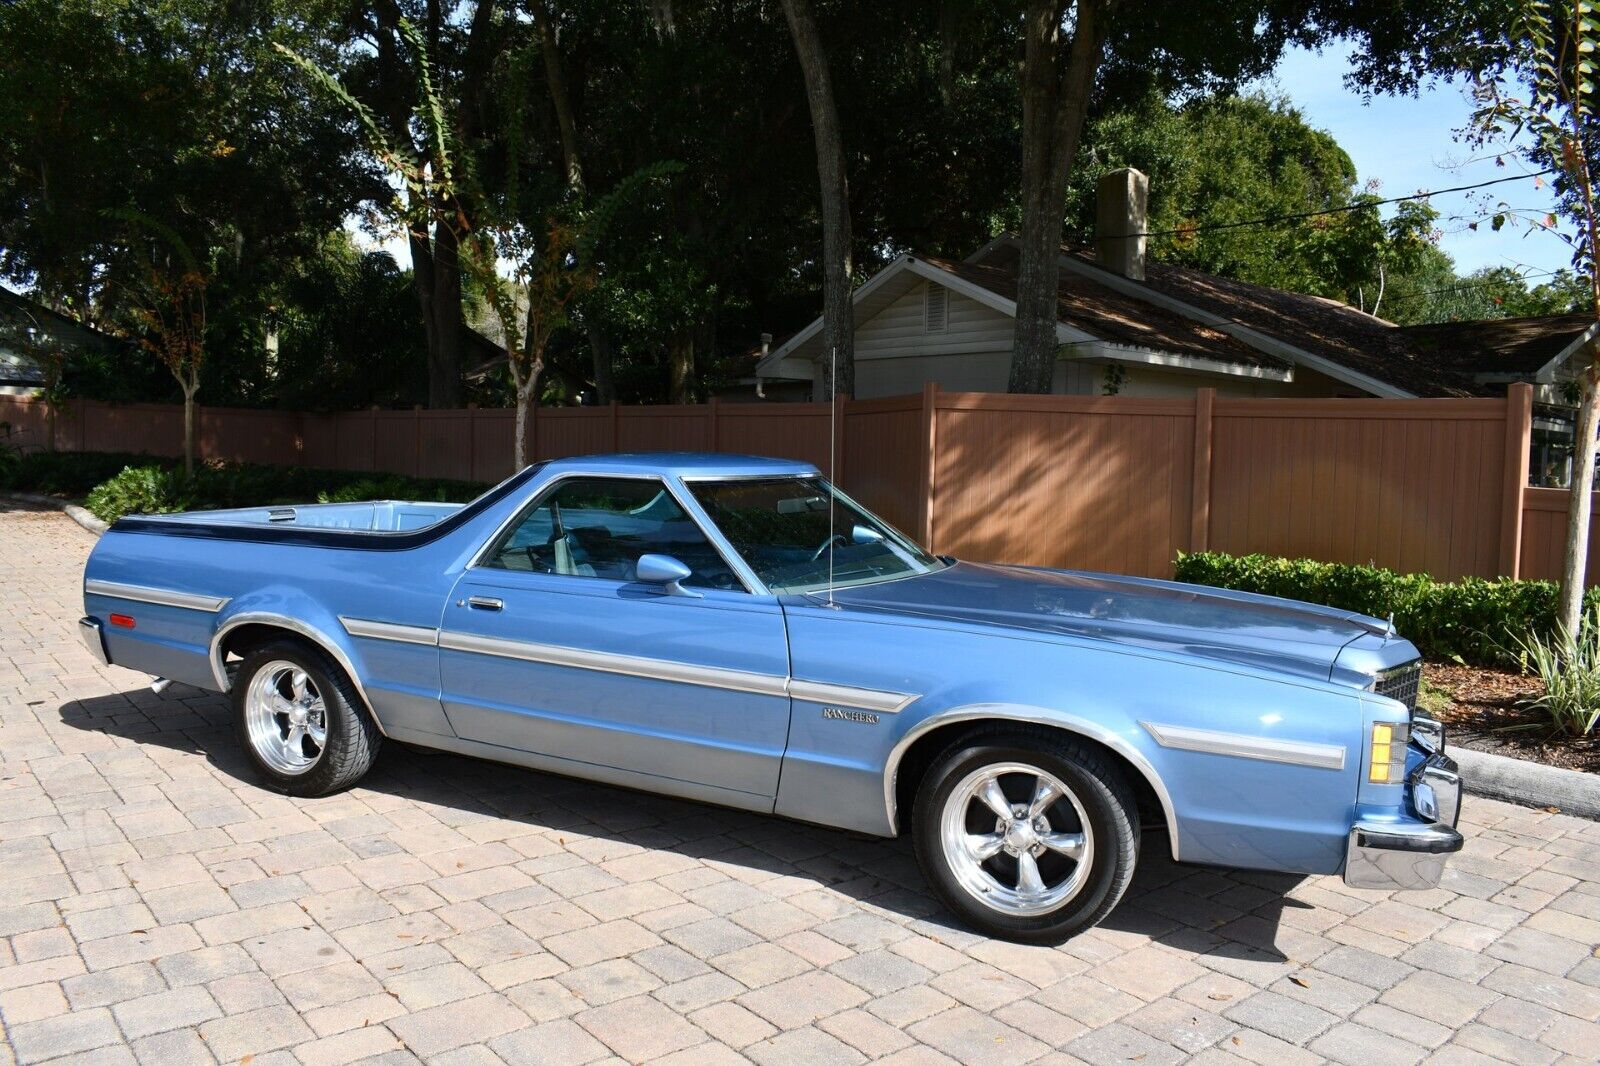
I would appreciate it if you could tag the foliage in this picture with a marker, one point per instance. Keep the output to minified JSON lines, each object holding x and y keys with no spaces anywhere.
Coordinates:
{"x":70,"y":474}
{"x":118,"y":483}
{"x":1546,"y":92}
{"x":1569,"y":666}
{"x":1220,"y":162}
{"x":1478,"y":621}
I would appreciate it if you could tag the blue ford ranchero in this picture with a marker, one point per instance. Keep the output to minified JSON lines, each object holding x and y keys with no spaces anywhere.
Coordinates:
{"x":735,"y":630}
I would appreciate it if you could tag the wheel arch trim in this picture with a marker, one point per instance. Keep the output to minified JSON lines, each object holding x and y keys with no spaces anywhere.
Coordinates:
{"x":309,"y":632}
{"x":1026,"y":715}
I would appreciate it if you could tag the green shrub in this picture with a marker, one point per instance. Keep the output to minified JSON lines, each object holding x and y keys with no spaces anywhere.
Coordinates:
{"x":1477,"y":621}
{"x":1569,"y":666}
{"x":139,"y":490}
{"x":72,"y":473}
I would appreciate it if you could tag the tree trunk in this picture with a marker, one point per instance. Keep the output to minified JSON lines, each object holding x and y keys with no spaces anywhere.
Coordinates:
{"x":1580,"y":499}
{"x":681,"y":353}
{"x":838,"y":318}
{"x":525,"y":389}
{"x":572,"y":171}
{"x":189,"y":389}
{"x":1053,"y":111}
{"x":448,"y":326}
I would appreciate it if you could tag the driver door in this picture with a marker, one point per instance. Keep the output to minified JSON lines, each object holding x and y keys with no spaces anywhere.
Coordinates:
{"x":550,"y":645}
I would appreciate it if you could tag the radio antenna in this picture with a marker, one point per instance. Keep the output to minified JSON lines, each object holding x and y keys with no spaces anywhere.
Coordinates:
{"x":833,"y":459}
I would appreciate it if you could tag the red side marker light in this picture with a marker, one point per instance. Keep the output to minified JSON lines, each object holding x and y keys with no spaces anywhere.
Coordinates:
{"x":124,"y":621}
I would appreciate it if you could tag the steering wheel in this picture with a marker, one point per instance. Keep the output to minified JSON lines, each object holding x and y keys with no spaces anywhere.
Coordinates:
{"x":840,"y":537}
{"x":536,"y":563}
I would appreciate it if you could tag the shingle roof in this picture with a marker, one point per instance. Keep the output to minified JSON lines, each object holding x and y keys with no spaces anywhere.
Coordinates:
{"x":1432,"y":360}
{"x":1117,"y":317}
{"x":1502,"y":346}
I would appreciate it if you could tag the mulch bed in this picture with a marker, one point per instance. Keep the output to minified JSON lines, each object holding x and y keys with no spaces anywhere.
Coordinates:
{"x":1484,"y":705}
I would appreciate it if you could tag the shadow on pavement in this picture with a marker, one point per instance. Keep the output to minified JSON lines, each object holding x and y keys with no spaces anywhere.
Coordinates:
{"x":1228,"y":913}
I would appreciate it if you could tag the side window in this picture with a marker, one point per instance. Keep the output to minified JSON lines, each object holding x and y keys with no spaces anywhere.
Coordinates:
{"x":599,"y":527}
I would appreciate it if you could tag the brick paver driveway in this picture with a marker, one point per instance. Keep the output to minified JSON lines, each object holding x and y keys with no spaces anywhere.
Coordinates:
{"x":155,"y":904}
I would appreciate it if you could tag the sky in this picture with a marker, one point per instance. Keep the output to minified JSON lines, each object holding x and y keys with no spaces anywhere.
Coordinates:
{"x":1408,"y":144}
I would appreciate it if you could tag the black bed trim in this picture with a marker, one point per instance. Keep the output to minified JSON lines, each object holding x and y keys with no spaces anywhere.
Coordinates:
{"x":346,"y":539}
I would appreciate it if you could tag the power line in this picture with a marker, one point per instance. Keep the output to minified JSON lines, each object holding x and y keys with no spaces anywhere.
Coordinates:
{"x":1363,"y":205}
{"x":1467,"y":285}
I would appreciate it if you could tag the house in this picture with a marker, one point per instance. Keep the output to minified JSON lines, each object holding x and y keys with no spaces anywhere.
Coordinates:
{"x":31,"y":333}
{"x":1141,"y":328}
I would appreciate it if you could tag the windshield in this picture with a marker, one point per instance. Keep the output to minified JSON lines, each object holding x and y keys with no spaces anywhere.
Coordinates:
{"x":785,"y":529}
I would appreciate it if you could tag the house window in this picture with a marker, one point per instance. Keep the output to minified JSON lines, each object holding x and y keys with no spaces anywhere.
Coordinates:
{"x":935,"y":307}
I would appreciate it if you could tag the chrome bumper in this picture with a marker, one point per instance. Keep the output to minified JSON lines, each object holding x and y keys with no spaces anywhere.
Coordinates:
{"x":94,"y":639}
{"x":1410,"y":854}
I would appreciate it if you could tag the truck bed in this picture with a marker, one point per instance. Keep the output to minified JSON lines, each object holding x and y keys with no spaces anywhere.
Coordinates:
{"x":377,"y":516}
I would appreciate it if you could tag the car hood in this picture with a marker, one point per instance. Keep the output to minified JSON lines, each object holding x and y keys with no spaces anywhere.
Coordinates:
{"x":1257,"y":631}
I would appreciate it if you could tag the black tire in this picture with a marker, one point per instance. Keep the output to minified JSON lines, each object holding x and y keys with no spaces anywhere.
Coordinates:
{"x":1109,"y":814}
{"x":352,"y":738}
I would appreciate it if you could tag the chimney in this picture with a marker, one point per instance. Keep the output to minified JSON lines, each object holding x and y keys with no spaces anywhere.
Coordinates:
{"x":1120,"y":201}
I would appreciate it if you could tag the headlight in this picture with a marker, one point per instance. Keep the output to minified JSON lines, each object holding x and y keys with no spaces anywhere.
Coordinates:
{"x":1386,"y":761}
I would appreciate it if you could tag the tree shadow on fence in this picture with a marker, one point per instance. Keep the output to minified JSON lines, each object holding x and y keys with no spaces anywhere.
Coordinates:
{"x":1231,"y":915}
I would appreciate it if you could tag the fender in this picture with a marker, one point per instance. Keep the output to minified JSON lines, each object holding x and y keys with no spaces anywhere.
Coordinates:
{"x":321,"y":637}
{"x":1015,"y":712}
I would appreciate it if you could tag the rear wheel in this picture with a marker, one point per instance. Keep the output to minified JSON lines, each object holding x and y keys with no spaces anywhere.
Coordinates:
{"x":1026,"y":834}
{"x":301,"y":721}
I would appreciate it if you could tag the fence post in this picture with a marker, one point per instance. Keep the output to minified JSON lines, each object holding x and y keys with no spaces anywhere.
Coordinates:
{"x":616,"y":427}
{"x":713,"y":414}
{"x":1200,"y":488}
{"x":416,"y":440}
{"x":930,"y":429}
{"x":1519,"y":432}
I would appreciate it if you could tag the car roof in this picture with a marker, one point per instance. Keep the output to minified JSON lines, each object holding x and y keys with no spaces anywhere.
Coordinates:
{"x":685,"y":465}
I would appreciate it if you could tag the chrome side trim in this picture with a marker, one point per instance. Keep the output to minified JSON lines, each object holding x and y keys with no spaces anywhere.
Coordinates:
{"x":866,"y":699}
{"x":1011,"y":712}
{"x":363,"y":627}
{"x":219,"y":670}
{"x":612,"y":663}
{"x":163,"y":597}
{"x":1245,"y":746}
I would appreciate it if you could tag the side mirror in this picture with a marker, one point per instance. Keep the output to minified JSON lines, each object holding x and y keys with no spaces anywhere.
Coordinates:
{"x":865,"y":535}
{"x":665,"y":571}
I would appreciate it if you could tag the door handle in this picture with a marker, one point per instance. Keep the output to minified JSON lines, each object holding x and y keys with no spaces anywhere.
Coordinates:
{"x":485,"y":603}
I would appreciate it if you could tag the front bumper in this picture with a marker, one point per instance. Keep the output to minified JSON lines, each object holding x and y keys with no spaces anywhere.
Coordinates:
{"x":1406,"y":853}
{"x":94,"y":639}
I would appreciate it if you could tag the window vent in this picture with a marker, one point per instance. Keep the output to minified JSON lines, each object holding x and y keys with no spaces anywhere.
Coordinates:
{"x":935,"y":307}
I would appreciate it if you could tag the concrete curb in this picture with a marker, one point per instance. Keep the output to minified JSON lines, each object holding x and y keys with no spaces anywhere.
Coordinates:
{"x":71,"y":510}
{"x":1528,"y":783}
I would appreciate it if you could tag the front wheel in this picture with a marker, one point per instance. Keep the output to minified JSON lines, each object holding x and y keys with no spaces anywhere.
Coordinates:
{"x":301,"y":721}
{"x":1026,"y":834}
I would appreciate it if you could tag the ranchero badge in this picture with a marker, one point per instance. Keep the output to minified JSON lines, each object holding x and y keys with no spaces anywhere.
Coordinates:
{"x":850,"y":716}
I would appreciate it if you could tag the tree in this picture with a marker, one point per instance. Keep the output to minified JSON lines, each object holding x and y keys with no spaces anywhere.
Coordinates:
{"x":1547,"y":91}
{"x":171,"y":308}
{"x":412,"y":107}
{"x":1055,"y":101}
{"x":531,"y":305}
{"x":838,"y":314}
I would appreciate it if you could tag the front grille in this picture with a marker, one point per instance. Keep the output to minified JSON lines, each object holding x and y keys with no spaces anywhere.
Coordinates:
{"x":1400,"y":683}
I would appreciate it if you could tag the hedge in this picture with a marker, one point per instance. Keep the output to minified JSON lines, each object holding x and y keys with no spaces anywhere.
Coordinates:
{"x":114,"y":484}
{"x":1474,"y":620}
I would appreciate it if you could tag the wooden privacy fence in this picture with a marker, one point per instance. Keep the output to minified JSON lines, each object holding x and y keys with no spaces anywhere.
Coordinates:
{"x":1097,"y":483}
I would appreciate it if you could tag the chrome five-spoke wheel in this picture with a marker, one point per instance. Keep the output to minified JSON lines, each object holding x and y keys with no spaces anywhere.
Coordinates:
{"x":1017,"y":839}
{"x":287,"y":718}
{"x":1026,"y":832}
